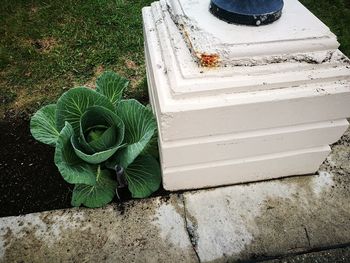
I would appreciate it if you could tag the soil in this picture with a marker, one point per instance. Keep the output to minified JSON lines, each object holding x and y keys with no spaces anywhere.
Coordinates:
{"x":29,"y":179}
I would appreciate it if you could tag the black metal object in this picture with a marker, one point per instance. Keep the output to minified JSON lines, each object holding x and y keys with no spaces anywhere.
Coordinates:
{"x":120,"y":176}
{"x":247,"y":12}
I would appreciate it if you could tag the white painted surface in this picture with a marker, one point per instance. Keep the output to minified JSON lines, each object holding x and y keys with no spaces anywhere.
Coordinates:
{"x":256,"y":168}
{"x":259,"y":142}
{"x":232,"y":113}
{"x":283,"y":95}
{"x":212,"y":113}
{"x":186,"y":79}
{"x":298,"y":27}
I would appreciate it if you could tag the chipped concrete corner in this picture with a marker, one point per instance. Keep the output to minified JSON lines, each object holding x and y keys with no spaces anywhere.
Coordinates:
{"x":210,"y":51}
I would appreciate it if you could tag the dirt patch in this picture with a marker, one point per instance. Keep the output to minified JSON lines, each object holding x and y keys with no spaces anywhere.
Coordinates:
{"x":130,"y":64}
{"x":34,"y":9}
{"x":30,"y":181}
{"x":92,"y":82}
{"x":44,"y":45}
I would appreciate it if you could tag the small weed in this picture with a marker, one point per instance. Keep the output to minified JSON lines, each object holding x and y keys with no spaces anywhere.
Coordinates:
{"x":7,"y":96}
{"x":139,"y":92}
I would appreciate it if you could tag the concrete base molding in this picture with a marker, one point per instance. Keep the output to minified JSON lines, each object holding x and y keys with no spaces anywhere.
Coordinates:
{"x":245,"y":170}
{"x":243,"y":103}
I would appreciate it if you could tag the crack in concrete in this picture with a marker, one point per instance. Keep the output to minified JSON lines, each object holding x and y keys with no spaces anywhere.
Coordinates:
{"x":307,"y":236}
{"x":190,"y":229}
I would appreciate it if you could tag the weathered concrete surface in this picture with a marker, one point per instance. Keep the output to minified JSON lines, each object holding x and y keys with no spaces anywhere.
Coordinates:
{"x":268,"y":219}
{"x":143,"y":231}
{"x":298,"y":31}
{"x":340,"y":255}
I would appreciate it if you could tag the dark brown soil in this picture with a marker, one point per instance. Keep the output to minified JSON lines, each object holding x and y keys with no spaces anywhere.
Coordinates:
{"x":29,"y":179}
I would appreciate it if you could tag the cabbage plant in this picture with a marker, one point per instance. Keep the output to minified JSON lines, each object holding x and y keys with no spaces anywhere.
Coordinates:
{"x":101,"y":142}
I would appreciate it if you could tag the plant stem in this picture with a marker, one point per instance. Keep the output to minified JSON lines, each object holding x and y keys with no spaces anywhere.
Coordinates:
{"x":98,"y":173}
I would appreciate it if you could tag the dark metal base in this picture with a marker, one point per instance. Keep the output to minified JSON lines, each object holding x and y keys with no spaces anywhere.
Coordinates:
{"x":247,"y":12}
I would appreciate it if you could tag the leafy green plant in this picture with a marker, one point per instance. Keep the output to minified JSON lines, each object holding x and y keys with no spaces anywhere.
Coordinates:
{"x":101,"y":141}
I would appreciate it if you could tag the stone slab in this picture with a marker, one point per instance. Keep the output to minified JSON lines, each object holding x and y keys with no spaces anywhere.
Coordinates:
{"x":151,"y":230}
{"x":258,"y":168}
{"x":274,"y":218}
{"x":248,"y":144}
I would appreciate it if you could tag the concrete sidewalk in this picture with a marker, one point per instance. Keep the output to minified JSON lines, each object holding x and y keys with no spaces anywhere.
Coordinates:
{"x":256,"y":221}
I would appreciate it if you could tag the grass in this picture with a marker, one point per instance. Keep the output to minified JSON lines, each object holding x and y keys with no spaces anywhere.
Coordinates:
{"x":47,"y":47}
{"x":336,"y":15}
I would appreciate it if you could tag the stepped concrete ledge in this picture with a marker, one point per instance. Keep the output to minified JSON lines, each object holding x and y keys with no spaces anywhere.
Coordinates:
{"x":255,"y":221}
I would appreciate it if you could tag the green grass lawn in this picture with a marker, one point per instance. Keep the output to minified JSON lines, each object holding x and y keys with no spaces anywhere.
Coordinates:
{"x":49,"y":46}
{"x":336,"y":15}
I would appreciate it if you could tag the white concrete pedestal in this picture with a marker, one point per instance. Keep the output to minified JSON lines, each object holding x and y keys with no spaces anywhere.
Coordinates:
{"x":237,"y":103}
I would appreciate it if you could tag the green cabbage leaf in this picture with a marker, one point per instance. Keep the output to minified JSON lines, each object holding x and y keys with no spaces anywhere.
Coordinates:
{"x":98,"y":138}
